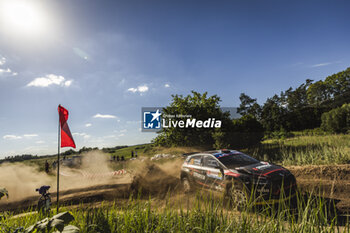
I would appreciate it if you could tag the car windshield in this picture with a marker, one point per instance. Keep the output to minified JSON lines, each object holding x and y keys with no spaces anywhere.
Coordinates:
{"x":237,"y":160}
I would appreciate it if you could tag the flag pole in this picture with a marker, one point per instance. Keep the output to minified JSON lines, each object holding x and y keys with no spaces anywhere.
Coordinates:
{"x":58,"y":162}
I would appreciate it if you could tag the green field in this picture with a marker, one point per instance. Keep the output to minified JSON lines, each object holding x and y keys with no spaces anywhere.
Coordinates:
{"x":298,"y":150}
{"x":305,"y":150}
{"x":200,"y":213}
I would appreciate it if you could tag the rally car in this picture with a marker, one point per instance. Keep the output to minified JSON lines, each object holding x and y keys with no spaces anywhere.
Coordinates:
{"x":239,"y":176}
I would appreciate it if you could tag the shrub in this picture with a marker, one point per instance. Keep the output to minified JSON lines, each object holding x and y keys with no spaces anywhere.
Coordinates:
{"x":337,"y":120}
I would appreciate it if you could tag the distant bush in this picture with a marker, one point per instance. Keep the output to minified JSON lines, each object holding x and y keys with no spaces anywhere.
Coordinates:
{"x":282,"y":134}
{"x":19,"y":158}
{"x":311,"y":132}
{"x":337,"y":120}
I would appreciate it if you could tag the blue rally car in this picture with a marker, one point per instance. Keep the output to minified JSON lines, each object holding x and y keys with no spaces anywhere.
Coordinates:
{"x":239,"y":176}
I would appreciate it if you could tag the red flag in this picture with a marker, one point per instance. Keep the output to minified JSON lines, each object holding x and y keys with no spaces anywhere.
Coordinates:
{"x":66,"y":137}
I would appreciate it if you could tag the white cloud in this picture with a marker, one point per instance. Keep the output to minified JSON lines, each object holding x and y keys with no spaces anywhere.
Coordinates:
{"x":132,"y":89}
{"x":141,"y":89}
{"x":123,"y":131}
{"x":30,"y":135}
{"x":110,"y":136}
{"x":50,"y":79}
{"x":121,"y":135}
{"x":88,"y":125}
{"x":5,"y":71}
{"x":322,"y":64}
{"x":68,"y":83}
{"x":40,"y":142}
{"x":84,"y":135}
{"x":167,"y":85}
{"x":106,"y":116}
{"x":11,"y":137}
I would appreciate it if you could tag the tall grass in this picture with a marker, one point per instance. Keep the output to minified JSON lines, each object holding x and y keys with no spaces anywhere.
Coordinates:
{"x":304,"y":150}
{"x":206,"y":213}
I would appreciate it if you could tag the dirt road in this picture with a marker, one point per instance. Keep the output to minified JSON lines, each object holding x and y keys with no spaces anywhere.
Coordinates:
{"x":329,"y":181}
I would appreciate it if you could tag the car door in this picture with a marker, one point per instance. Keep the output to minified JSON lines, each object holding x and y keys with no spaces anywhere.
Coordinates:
{"x":196,"y":170}
{"x":214,"y":175}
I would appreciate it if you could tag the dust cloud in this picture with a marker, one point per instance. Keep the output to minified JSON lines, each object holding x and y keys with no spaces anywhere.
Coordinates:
{"x":95,"y":169}
{"x":21,"y":180}
{"x":159,"y":179}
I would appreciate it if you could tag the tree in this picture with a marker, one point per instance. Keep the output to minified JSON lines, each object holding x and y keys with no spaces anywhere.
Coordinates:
{"x":244,"y":132}
{"x":273,"y":114}
{"x":339,"y":83}
{"x":296,"y":99}
{"x":249,"y":106}
{"x":247,"y":131}
{"x":337,"y":120}
{"x":317,"y":93}
{"x":200,"y":107}
{"x":237,"y":133}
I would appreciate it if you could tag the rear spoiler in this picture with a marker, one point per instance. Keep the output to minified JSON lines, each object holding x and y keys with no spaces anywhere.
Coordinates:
{"x":192,"y":153}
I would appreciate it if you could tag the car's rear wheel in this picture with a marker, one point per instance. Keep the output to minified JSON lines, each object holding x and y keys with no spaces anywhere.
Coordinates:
{"x":186,"y":185}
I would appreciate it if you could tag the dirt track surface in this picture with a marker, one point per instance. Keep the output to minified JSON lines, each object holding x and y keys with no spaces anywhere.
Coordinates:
{"x":73,"y":196}
{"x":329,"y":181}
{"x":150,"y":181}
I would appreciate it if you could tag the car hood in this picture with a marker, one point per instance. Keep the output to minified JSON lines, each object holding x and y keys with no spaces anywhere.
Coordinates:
{"x":263,"y":169}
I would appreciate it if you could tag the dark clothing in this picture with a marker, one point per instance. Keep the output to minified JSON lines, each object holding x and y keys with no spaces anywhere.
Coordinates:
{"x":47,"y":167}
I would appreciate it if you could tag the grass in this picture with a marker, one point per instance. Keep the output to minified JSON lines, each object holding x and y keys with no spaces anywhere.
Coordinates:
{"x":305,"y":150}
{"x":298,"y":150}
{"x":205,"y":213}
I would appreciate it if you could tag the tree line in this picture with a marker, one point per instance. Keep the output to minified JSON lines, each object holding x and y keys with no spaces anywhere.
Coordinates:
{"x":322,"y":105}
{"x":19,"y":158}
{"x":305,"y":107}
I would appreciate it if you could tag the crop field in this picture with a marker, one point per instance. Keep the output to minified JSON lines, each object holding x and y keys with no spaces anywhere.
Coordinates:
{"x":147,"y":196}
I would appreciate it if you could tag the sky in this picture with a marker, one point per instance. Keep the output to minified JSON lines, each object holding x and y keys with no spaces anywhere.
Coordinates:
{"x":105,"y":60}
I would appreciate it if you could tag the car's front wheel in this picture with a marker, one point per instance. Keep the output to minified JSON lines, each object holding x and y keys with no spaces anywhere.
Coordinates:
{"x":239,"y":199}
{"x":237,"y":195}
